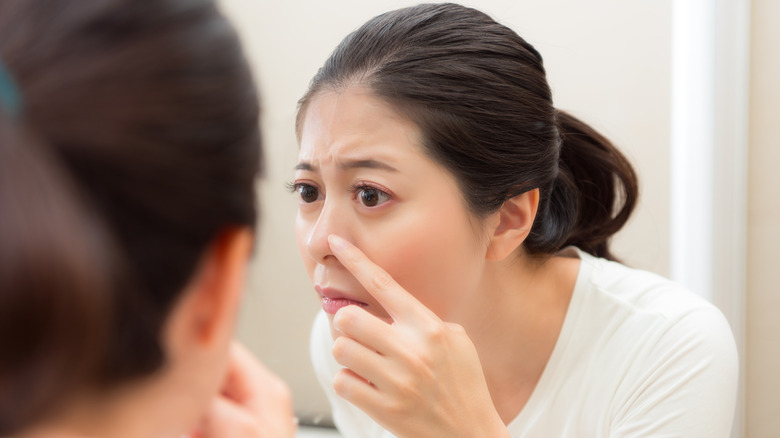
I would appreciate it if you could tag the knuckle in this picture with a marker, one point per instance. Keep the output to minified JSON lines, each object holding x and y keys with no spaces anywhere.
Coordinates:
{"x":396,"y":409}
{"x":406,"y":388}
{"x":456,"y":329}
{"x":381,"y":280}
{"x":423,"y":367}
{"x":341,"y":384}
{"x":340,"y":348}
{"x":416,"y":357}
{"x":352,"y":257}
{"x":435,"y":331}
{"x":345,"y":317}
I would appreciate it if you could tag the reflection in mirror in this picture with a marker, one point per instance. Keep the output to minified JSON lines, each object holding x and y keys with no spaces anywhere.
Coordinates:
{"x":592,"y":74}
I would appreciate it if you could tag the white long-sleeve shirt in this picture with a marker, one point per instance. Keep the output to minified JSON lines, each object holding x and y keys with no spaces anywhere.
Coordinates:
{"x":638,"y":356}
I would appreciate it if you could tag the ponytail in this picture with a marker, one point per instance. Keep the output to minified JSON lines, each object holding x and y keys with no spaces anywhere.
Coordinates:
{"x":485,"y":112}
{"x":53,"y":282}
{"x":594,"y":193}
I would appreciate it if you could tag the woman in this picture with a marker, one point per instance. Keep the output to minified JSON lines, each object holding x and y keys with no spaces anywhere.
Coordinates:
{"x":129,"y":149}
{"x":456,"y":228}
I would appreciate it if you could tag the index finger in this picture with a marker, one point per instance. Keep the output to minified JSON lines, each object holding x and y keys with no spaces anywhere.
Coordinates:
{"x":390,"y":295}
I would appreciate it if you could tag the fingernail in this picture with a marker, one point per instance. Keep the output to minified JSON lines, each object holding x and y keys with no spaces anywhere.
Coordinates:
{"x":337,"y":243}
{"x":336,"y":328}
{"x":336,"y":319}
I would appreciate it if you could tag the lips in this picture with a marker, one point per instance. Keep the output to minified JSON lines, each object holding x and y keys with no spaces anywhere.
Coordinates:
{"x":333,"y":299}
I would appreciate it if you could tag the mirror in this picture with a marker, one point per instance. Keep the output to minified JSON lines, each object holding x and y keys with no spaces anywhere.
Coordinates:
{"x":608,"y":62}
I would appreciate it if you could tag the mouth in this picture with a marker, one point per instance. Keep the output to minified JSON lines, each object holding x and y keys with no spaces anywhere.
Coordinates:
{"x":333,"y":299}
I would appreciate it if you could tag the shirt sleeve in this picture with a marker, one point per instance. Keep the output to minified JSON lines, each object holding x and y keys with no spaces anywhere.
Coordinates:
{"x":689,"y":387}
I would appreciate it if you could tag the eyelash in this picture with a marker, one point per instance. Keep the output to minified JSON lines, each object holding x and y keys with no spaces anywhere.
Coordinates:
{"x":292,"y":187}
{"x":358,"y":186}
{"x":355,"y":189}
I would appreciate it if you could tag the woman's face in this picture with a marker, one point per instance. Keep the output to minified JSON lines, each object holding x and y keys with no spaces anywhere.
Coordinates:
{"x":362,"y":174}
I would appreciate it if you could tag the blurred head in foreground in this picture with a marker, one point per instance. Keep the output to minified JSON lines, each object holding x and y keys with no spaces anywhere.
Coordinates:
{"x":129,"y":147}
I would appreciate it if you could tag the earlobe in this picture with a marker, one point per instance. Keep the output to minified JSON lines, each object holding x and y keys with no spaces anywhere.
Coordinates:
{"x":514,"y":221}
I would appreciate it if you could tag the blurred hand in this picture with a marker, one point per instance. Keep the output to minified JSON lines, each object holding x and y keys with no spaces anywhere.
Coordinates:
{"x":254,"y":403}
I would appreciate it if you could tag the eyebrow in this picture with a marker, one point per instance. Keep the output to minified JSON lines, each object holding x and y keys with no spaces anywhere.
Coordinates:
{"x":349,"y":165}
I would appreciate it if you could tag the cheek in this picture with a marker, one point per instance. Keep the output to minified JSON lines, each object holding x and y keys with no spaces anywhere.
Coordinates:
{"x":437,"y":261}
{"x":302,"y":232}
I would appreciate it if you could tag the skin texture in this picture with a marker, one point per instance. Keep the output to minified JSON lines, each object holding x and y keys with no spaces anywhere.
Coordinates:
{"x":352,"y":127}
{"x":453,"y":324}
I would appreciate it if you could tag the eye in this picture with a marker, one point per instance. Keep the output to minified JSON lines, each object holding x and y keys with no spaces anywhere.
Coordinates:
{"x":307,"y":192}
{"x":371,"y":196}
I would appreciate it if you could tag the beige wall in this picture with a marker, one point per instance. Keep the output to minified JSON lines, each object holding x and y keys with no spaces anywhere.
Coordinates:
{"x":763,"y":295}
{"x":608,"y":62}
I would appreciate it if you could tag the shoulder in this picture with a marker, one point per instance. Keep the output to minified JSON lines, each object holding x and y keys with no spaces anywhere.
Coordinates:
{"x":644,"y":292}
{"x":677,"y":347}
{"x":653,"y":323}
{"x":660,"y":305}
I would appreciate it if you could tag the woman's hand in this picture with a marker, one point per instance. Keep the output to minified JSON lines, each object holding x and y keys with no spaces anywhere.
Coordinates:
{"x":253,"y":402}
{"x":417,"y":376}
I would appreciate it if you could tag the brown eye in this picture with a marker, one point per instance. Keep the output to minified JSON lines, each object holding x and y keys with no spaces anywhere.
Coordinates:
{"x":308,"y":193}
{"x":371,"y":197}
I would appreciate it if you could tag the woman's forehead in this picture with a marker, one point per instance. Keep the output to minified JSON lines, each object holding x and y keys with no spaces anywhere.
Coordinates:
{"x":354,"y":125}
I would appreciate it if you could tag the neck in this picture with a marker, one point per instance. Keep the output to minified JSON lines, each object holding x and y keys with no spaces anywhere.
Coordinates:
{"x":515,"y":322}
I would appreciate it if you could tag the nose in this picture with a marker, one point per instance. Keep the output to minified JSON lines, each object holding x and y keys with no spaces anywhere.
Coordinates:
{"x":328,"y":222}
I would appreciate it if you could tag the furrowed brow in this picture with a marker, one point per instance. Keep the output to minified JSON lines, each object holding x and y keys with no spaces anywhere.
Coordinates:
{"x":304,"y":165}
{"x":366,"y":164}
{"x":350,"y":165}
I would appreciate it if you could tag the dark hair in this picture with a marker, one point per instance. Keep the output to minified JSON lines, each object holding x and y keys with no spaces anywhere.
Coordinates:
{"x":136,"y":145}
{"x":479,"y":94}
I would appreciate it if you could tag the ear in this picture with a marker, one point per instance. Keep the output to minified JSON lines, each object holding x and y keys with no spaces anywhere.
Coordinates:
{"x":206,"y":313}
{"x":511,"y":224}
